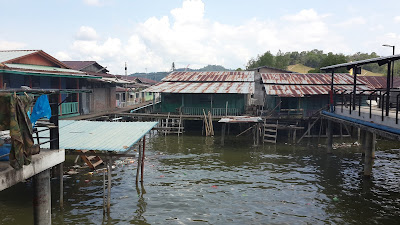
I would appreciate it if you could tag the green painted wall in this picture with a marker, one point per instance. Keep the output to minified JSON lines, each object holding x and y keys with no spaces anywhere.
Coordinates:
{"x":308,"y":104}
{"x":172,"y":102}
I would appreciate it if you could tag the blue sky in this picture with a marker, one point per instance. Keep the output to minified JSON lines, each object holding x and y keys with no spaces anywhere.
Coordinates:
{"x":152,"y":34}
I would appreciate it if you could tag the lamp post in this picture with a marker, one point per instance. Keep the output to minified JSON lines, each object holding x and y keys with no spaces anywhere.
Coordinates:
{"x":393,"y":47}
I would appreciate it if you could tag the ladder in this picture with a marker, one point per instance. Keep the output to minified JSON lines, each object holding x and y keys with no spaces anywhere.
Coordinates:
{"x":270,"y":132}
{"x":172,"y":125}
{"x":90,"y":160}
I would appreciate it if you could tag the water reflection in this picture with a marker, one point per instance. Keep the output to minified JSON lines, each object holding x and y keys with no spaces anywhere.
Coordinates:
{"x":191,"y":179}
{"x":141,"y":206}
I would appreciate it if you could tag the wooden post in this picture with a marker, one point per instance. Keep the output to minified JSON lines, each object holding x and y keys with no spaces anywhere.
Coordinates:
{"x":61,"y":174}
{"x":363,"y":141}
{"x":294,"y":135}
{"x":330,"y":137}
{"x":341,"y":131}
{"x":142,"y":164}
{"x":109,"y":185}
{"x":359,"y":135}
{"x":104,"y":193}
{"x":368,"y":162}
{"x":42,"y":198}
{"x":258,"y":134}
{"x":373,"y":145}
{"x":139,"y":162}
{"x":223,"y":134}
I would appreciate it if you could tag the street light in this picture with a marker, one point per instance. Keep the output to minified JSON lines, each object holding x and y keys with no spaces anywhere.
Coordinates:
{"x":392,"y":46}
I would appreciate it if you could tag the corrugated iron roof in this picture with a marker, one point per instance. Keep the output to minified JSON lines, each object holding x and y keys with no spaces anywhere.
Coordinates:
{"x":78,"y":65}
{"x":98,"y":135}
{"x":303,"y":90}
{"x":12,"y":54}
{"x":197,"y":87}
{"x":379,"y":82}
{"x":222,"y":76}
{"x":308,"y":78}
{"x":45,"y":70}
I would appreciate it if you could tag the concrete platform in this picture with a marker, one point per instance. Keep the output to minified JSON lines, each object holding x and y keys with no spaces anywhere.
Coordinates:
{"x":40,"y":162}
{"x":376,"y":116}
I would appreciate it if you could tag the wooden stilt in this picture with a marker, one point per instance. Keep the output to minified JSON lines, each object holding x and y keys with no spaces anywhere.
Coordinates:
{"x":330,"y":138}
{"x":368,"y":162}
{"x":142,"y":164}
{"x":61,"y":175}
{"x":109,"y":185}
{"x":223,"y":134}
{"x":104,"y":192}
{"x":139,"y":162}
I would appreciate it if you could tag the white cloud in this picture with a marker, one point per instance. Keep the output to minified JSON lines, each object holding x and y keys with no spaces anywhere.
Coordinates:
{"x":185,"y":37}
{"x":397,"y":19}
{"x":86,"y":33}
{"x":11,"y":45}
{"x":352,"y":22}
{"x":305,"y":15}
{"x":92,"y":2}
{"x":63,"y":56}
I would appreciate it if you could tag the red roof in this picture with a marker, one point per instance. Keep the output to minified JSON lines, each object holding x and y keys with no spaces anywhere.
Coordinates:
{"x":78,"y":65}
{"x":378,"y":82}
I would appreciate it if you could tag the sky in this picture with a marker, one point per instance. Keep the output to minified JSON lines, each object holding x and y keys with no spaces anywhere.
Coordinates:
{"x":150,"y":35}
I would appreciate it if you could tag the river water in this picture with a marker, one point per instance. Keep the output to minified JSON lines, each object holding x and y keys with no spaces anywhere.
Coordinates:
{"x":194,"y":180}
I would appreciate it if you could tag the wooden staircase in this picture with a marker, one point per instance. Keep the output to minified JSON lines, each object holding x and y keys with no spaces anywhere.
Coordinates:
{"x":270,"y":132}
{"x":90,"y":160}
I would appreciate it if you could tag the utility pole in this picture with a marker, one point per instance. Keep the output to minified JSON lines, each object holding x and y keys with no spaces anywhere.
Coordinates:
{"x":393,"y":47}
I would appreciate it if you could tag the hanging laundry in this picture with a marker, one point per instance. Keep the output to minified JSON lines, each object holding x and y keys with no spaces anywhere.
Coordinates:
{"x":41,"y":109}
{"x":13,"y":117}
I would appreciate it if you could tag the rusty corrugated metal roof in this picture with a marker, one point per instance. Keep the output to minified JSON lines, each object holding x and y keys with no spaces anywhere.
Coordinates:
{"x":222,"y":76}
{"x":207,"y":87}
{"x":379,"y":82}
{"x":303,"y":90}
{"x":308,"y":78}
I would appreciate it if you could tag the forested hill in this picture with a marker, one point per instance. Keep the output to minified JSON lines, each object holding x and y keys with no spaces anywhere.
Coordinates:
{"x":314,"y":59}
{"x":157,"y":76}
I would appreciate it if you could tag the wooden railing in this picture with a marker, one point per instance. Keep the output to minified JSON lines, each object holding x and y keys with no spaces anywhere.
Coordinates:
{"x":214,"y":111}
{"x":67,"y":108}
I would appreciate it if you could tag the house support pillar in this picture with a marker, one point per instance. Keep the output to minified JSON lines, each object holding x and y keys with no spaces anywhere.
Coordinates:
{"x":330,"y":137}
{"x":362,"y":140}
{"x":42,"y":198}
{"x":369,"y":153}
{"x":223,"y":134}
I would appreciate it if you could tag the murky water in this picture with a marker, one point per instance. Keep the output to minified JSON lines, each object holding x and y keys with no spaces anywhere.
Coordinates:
{"x":192,"y":180}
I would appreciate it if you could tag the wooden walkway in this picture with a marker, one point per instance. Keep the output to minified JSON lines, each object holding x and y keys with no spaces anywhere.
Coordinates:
{"x":110,"y":112}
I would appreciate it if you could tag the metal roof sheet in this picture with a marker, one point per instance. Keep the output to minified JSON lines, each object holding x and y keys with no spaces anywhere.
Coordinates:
{"x":45,"y":71}
{"x":222,"y":76}
{"x":42,"y":68}
{"x":308,"y":78}
{"x":12,"y":54}
{"x":379,"y":82}
{"x":210,"y":87}
{"x":303,"y":90}
{"x":98,"y":135}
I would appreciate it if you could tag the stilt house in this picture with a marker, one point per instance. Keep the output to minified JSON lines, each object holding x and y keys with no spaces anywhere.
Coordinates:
{"x":221,"y":93}
{"x":301,"y":95}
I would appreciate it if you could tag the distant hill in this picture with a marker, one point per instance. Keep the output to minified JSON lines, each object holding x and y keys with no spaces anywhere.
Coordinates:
{"x":299,"y":68}
{"x":369,"y":73}
{"x":157,"y":76}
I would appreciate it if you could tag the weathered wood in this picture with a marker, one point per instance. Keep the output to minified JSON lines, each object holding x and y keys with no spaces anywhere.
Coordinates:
{"x":223,"y":134}
{"x":330,"y":138}
{"x":308,"y":130}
